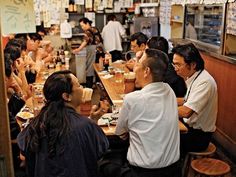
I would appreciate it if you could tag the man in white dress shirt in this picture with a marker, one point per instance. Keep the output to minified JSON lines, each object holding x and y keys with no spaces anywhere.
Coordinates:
{"x":112,"y":35}
{"x":199,"y":106}
{"x":149,"y":117}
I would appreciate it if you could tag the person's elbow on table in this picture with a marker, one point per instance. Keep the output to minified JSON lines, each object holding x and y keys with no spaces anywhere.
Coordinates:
{"x":185,"y":112}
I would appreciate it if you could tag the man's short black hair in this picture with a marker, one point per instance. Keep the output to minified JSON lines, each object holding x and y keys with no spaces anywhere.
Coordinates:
{"x":190,"y":54}
{"x":139,"y":37}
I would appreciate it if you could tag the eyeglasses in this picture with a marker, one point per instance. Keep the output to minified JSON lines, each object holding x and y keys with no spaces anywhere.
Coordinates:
{"x":178,"y":65}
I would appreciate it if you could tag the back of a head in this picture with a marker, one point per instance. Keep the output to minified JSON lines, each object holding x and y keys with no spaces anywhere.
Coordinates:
{"x":158,"y":42}
{"x":35,"y":36}
{"x":41,"y":29}
{"x":139,"y":37}
{"x":14,"y":51}
{"x":157,"y":61}
{"x":85,"y":21}
{"x":190,"y":54}
{"x":8,"y":63}
{"x":22,"y":36}
{"x":18,"y":42}
{"x":56,"y":84}
{"x":111,"y":17}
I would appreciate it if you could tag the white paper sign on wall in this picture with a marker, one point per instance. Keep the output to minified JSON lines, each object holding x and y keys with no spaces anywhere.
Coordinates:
{"x":17,"y":16}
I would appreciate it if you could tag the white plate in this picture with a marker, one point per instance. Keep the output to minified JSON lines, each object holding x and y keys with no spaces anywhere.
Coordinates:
{"x":113,"y":122}
{"x":25,"y":115}
{"x":103,"y":122}
{"x":107,"y":116}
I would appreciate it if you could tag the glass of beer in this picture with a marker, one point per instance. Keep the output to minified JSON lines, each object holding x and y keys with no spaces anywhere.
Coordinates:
{"x":38,"y":98}
{"x":119,"y":76}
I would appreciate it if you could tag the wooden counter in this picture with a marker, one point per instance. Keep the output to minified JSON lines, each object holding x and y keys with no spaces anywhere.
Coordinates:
{"x":111,"y":130}
{"x":114,"y":90}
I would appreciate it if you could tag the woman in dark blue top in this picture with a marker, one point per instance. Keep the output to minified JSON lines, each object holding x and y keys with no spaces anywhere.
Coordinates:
{"x":59,"y":141}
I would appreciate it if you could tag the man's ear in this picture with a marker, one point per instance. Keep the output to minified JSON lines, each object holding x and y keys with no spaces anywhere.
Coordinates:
{"x":143,"y":46}
{"x":193,"y":65}
{"x":66,"y":97}
{"x":147,"y":72}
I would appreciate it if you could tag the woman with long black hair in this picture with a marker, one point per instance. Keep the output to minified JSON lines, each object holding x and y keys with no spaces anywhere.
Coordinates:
{"x":59,"y":141}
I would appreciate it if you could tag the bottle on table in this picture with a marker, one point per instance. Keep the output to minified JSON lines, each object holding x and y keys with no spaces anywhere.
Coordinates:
{"x":62,"y":55}
{"x":58,"y":61}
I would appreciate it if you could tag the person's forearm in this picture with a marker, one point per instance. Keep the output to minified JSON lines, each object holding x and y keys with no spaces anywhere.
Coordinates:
{"x":184,"y":111}
{"x":25,"y":85}
{"x":84,"y":43}
{"x":48,"y":59}
{"x":180,"y":101}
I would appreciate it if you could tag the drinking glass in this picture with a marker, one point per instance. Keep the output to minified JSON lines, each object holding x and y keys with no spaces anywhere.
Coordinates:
{"x":119,"y":76}
{"x":38,"y":98}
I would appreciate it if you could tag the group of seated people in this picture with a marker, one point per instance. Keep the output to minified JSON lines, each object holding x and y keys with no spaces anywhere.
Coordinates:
{"x":24,"y":55}
{"x":149,"y":117}
{"x":61,"y":142}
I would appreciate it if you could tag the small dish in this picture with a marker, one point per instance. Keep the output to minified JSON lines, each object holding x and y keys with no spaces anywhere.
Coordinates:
{"x":25,"y":115}
{"x":113,"y":122}
{"x":103,"y":122}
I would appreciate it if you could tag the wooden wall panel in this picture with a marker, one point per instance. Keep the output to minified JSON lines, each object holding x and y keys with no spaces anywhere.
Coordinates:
{"x":225,"y":76}
{"x":5,"y":139}
{"x":5,"y":142}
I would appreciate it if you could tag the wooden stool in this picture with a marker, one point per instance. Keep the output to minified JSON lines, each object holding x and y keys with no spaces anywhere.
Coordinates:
{"x":210,"y":167}
{"x":211,"y":149}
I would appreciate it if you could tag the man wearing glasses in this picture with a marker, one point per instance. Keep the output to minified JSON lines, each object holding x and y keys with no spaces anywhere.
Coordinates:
{"x":199,"y":106}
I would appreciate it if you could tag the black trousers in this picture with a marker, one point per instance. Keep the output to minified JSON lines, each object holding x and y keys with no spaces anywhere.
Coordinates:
{"x":195,"y":140}
{"x":172,"y":170}
{"x":115,"y":164}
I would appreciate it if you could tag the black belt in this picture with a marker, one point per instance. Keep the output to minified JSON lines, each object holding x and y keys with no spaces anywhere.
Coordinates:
{"x":174,"y":165}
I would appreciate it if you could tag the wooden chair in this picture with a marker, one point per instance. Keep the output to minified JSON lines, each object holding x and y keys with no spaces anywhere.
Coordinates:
{"x":211,"y":149}
{"x":210,"y":167}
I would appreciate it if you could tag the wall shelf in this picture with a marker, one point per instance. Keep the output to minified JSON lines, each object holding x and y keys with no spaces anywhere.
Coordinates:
{"x":177,"y":21}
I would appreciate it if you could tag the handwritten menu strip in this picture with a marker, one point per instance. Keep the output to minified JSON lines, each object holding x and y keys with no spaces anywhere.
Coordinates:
{"x":17,"y":16}
{"x":231,"y":19}
{"x":200,"y":1}
{"x":214,"y":1}
{"x":165,"y":11}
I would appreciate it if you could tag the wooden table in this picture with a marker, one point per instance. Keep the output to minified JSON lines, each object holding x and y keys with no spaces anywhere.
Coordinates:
{"x":115,"y":92}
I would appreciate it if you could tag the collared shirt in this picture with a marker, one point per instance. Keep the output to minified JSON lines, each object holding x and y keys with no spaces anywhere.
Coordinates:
{"x":202,"y":99}
{"x":150,"y":116}
{"x":112,"y":34}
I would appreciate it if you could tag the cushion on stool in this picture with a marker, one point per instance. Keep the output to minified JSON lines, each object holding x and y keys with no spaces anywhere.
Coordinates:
{"x":210,"y":166}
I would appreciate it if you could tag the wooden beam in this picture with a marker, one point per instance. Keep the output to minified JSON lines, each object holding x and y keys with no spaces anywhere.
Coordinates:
{"x":5,"y":139}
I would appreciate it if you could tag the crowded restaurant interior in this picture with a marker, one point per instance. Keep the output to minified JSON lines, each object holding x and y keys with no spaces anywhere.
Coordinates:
{"x":117,"y":88}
